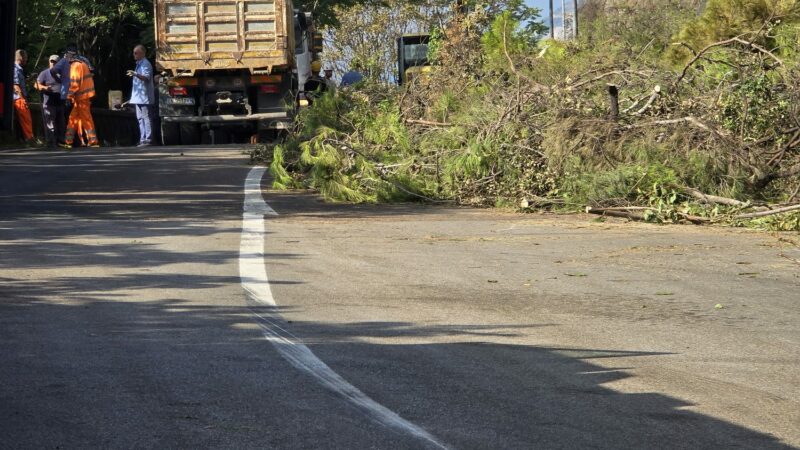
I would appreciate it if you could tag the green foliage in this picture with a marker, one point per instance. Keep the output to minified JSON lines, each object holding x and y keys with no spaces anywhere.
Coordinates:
{"x":503,"y":41}
{"x":626,"y":183}
{"x":326,"y":113}
{"x":632,"y":27}
{"x":519,"y":12}
{"x":753,"y":107}
{"x":281,"y":178}
{"x":386,"y":130}
{"x":474,"y":163}
{"x":778,"y":222}
{"x":105,"y":31}
{"x":724,"y":19}
{"x":435,"y":41}
{"x":552,"y":50}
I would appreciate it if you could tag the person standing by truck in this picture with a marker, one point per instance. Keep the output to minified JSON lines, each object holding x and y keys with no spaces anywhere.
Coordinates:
{"x":80,"y":93}
{"x":142,"y":95}
{"x":61,"y":71}
{"x":329,"y":79}
{"x":52,"y":104}
{"x":20,"y":94}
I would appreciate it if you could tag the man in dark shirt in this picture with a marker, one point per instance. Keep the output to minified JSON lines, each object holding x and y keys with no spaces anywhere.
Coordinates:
{"x":20,"y":97}
{"x":53,"y":115}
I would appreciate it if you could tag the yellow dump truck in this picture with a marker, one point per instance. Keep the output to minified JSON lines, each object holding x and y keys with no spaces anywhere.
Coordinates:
{"x":228,"y":67}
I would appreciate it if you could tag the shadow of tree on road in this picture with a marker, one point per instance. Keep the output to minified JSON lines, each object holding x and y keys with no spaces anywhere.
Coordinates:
{"x":118,"y":361}
{"x":170,"y":373}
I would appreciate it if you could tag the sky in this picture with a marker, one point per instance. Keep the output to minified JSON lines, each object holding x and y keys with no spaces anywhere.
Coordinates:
{"x":543,"y":5}
{"x":544,"y":8}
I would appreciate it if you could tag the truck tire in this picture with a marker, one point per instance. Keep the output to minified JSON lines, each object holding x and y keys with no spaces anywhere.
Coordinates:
{"x":272,"y":136}
{"x":190,"y":134}
{"x":170,"y":134}
{"x":222,"y":136}
{"x":267,"y":136}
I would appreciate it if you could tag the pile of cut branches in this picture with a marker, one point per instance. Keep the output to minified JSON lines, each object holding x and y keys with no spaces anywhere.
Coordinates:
{"x":618,"y":126}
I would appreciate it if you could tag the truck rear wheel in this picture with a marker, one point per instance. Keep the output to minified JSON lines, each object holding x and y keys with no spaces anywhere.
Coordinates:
{"x":170,"y":134}
{"x":189,"y":133}
{"x":268,"y":136}
{"x":272,"y":136}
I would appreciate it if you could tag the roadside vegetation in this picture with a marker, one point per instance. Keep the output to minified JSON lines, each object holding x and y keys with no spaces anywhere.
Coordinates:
{"x":706,"y":127}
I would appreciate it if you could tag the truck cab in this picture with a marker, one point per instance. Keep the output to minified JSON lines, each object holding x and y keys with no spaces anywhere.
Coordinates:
{"x":412,"y":56}
{"x":308,"y":47}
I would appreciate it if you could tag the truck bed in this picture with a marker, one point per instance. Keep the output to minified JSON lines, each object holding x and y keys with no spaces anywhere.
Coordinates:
{"x":197,"y":35}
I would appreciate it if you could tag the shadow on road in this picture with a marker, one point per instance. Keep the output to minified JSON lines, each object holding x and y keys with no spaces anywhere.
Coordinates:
{"x":129,"y":184}
{"x":167,"y":373}
{"x":85,"y":361}
{"x":122,"y":184}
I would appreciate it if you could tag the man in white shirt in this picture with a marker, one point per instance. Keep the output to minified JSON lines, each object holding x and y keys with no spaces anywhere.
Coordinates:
{"x":142,"y":95}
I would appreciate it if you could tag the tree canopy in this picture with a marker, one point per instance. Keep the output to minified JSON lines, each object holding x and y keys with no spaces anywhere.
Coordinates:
{"x":104,"y":30}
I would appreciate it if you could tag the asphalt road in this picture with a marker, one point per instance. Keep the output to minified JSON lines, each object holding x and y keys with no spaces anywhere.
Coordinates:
{"x":133,"y":315}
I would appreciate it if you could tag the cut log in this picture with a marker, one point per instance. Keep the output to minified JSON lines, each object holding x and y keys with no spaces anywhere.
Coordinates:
{"x":697,"y":220}
{"x":625,"y":213}
{"x":428,"y":123}
{"x":713,"y":199}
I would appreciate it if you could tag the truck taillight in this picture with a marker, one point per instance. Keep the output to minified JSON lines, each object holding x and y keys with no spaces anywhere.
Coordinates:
{"x":270,"y":89}
{"x":178,"y":91}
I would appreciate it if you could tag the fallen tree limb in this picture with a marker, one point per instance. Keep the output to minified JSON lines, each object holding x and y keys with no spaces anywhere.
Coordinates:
{"x":689,"y":119}
{"x":625,"y":213}
{"x":763,"y":180}
{"x":540,"y":202}
{"x":697,"y":220}
{"x":653,"y":97}
{"x":713,"y":199}
{"x":618,"y":208}
{"x":428,"y":123}
{"x":607,"y":74}
{"x":629,"y":212}
{"x":761,"y":49}
{"x":634,"y":104}
{"x":738,"y":40}
{"x":769,"y":212}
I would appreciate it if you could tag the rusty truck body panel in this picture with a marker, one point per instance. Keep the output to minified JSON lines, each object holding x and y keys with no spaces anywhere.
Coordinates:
{"x":193,"y":35}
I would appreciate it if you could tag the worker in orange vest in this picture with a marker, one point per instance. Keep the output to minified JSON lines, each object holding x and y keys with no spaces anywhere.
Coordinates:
{"x":20,"y":92}
{"x":81,"y":92}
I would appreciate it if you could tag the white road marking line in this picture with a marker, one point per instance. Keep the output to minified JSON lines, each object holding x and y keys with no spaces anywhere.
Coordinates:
{"x":253,"y":274}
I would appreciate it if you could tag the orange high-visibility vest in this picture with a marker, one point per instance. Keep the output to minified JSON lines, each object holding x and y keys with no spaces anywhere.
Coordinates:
{"x":81,"y":81}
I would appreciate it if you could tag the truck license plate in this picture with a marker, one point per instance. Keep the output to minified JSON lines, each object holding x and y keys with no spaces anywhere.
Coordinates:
{"x":182,"y":101}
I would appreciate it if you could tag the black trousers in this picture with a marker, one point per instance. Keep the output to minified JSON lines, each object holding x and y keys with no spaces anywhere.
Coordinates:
{"x":55,"y":123}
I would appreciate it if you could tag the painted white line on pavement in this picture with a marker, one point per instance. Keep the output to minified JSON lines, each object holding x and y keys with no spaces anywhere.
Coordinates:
{"x":253,"y":274}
